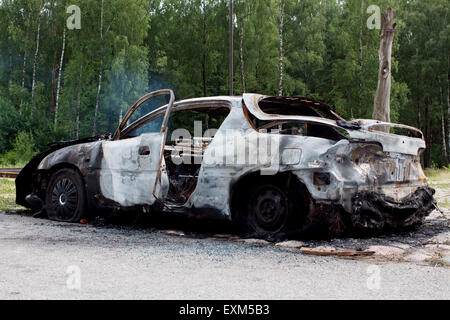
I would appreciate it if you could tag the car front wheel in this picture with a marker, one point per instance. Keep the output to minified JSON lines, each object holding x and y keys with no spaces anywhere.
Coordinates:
{"x":65,"y":197}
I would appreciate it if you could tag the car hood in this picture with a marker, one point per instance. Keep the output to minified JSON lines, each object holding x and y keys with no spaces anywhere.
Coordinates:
{"x":24,"y":185}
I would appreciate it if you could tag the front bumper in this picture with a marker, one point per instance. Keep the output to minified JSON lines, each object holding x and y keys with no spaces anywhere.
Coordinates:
{"x":378,"y":212}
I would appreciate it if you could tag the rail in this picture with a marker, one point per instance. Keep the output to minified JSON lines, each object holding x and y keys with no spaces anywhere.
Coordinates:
{"x":9,"y":172}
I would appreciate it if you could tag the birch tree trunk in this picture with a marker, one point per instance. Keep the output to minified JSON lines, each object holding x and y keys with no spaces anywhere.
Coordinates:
{"x":121,"y":108}
{"x":444,"y":137}
{"x":428,"y":133}
{"x":10,"y":69}
{"x":59,"y":76}
{"x":54,"y":73}
{"x":25,"y":55}
{"x":231,"y":49}
{"x":444,"y":142}
{"x":100,"y":73}
{"x":24,"y":69}
{"x":241,"y":46}
{"x":418,"y":84}
{"x":205,"y":93}
{"x":120,"y":115}
{"x":280,"y":84}
{"x":241,"y":58}
{"x":382,"y":107}
{"x":361,"y":61}
{"x":23,"y":75}
{"x":77,"y":121}
{"x":35,"y":64}
{"x":448,"y":109}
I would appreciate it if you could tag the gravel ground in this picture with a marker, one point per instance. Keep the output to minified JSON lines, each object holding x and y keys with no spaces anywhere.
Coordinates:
{"x":41,"y":259}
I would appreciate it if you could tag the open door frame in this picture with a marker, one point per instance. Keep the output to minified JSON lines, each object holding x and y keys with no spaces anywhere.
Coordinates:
{"x":136,"y":106}
{"x":163,"y":128}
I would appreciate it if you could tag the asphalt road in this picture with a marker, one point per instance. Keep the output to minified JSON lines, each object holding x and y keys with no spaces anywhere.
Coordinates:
{"x":41,"y":259}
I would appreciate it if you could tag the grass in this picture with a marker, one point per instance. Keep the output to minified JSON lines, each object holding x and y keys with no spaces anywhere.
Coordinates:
{"x":8,"y":204}
{"x":7,"y":186}
{"x":444,"y":204}
{"x":440,"y":185}
{"x":438,"y":174}
{"x":8,"y":195}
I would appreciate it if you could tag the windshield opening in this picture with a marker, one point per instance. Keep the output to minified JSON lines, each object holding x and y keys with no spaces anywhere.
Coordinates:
{"x":297,"y":106}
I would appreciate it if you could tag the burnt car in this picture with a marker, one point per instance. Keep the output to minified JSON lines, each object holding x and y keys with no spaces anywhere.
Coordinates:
{"x":273,"y":165}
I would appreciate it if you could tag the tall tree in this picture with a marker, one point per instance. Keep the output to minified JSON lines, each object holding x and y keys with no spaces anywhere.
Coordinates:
{"x":24,"y":69}
{"x":231,"y":48}
{"x":36,"y":53}
{"x":280,"y":83}
{"x":382,"y":104}
{"x":241,"y":21}
{"x":361,"y":54}
{"x":61,"y":61}
{"x":100,"y":73}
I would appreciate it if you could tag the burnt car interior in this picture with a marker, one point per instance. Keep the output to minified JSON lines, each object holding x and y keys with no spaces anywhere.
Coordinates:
{"x":184,"y":146}
{"x":296,"y":106}
{"x":184,"y":155}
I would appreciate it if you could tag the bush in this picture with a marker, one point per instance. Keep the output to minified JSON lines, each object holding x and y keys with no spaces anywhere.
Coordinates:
{"x":23,"y":149}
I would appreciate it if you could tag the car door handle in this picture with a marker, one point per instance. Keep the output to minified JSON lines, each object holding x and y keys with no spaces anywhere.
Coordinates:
{"x":144,"y":151}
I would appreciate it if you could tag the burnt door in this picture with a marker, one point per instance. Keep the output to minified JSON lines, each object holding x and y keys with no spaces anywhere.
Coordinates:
{"x":131,"y":170}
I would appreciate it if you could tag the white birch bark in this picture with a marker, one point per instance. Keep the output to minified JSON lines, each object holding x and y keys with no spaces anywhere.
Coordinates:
{"x":241,"y":44}
{"x":241,"y":54}
{"x":59,"y":76}
{"x":100,"y":73}
{"x":280,"y":84}
{"x":444,"y":142}
{"x":444,"y":137}
{"x":35,"y":64}
{"x":77,"y":121}
{"x":24,"y":69}
{"x":448,"y":108}
{"x":361,"y":61}
{"x":382,"y":107}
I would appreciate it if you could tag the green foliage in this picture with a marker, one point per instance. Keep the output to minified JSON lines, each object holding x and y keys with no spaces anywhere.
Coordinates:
{"x":329,"y":54}
{"x":23,"y":149}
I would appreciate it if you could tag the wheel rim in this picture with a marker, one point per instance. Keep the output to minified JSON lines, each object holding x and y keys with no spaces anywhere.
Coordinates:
{"x":269,"y":209}
{"x":64,"y":198}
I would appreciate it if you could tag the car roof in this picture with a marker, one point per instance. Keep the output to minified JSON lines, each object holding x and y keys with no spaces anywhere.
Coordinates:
{"x":206,"y":99}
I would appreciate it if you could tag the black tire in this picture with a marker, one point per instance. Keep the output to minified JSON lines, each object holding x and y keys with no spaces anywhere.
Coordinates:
{"x":270,"y":209}
{"x":65,"y":199}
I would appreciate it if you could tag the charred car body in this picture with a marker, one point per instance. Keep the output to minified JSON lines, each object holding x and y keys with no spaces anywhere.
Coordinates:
{"x":275,"y":165}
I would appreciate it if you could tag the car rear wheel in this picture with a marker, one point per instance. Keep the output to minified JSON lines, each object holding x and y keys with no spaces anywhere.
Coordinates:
{"x":268,"y":209}
{"x":65,"y":197}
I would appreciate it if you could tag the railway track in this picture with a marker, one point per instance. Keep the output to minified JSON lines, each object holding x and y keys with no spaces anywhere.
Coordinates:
{"x":9,"y":172}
